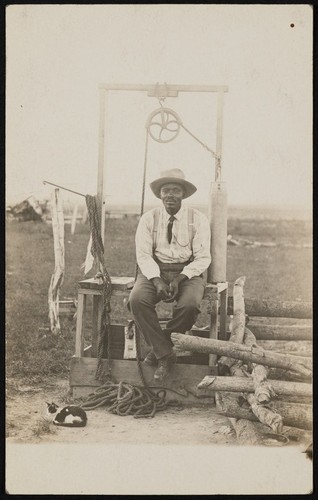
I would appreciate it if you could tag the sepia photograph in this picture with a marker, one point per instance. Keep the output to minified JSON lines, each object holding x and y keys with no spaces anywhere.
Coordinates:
{"x":158,"y":249}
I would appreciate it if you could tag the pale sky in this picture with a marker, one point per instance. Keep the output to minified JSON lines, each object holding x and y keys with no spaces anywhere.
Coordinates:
{"x":57,"y":55}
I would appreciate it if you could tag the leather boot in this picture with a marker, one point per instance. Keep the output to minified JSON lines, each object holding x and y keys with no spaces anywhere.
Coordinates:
{"x":164,"y":366}
{"x":151,"y":359}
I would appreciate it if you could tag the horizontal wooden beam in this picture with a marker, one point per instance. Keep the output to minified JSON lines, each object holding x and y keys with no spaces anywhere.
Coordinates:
{"x":274,"y":309}
{"x":152,"y":87}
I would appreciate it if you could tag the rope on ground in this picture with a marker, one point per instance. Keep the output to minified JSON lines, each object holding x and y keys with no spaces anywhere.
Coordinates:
{"x":125,"y":399}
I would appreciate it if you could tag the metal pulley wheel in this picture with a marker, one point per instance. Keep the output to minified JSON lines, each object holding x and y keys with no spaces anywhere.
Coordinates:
{"x":163,"y":125}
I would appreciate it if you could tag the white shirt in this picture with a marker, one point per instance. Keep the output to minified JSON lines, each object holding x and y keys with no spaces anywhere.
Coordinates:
{"x":180,"y":249}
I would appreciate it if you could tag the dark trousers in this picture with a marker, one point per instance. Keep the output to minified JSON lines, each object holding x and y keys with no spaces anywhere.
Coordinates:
{"x":142,"y":302}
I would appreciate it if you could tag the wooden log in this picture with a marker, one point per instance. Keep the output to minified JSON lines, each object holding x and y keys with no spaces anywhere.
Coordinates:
{"x":245,"y":384}
{"x":237,"y":351}
{"x":264,"y":414}
{"x":263,"y":389}
{"x":294,"y":415}
{"x":237,"y":324}
{"x":306,"y":400}
{"x":298,"y":348}
{"x":281,"y":332}
{"x":277,"y":309}
{"x":288,"y":375}
{"x":246,"y":431}
{"x":297,"y":435}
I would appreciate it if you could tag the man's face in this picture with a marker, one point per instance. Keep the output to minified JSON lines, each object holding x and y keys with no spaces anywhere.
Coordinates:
{"x":171,"y":195}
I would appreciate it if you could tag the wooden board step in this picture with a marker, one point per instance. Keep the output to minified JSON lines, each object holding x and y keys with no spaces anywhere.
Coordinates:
{"x":118,"y":282}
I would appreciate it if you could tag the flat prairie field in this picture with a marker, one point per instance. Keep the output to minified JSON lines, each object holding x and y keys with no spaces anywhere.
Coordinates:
{"x":37,"y":359}
{"x":281,"y":272}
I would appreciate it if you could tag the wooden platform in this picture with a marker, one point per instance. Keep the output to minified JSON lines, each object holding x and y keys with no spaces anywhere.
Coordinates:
{"x":120,"y":285}
{"x":181,"y":384}
{"x":185,"y":376}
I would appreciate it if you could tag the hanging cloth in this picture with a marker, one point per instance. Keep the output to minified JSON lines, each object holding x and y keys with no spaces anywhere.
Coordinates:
{"x":58,"y":276}
{"x":89,"y":261}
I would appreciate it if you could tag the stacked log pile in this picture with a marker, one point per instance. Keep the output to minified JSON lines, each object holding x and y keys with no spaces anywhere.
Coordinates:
{"x":258,"y":407}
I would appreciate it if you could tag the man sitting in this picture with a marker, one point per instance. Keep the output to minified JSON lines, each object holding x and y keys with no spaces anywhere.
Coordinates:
{"x":173,"y":253}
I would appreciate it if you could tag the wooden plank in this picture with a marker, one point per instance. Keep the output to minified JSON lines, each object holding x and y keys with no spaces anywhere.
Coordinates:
{"x":213,"y":288}
{"x":277,"y":309}
{"x":79,"y":341}
{"x":218,"y":223}
{"x":223,"y":314}
{"x":97,"y":319}
{"x":151,"y":87}
{"x":213,"y":333}
{"x":101,"y":161}
{"x":115,"y":293}
{"x":118,"y":283}
{"x":183,"y":378}
{"x":219,"y":135}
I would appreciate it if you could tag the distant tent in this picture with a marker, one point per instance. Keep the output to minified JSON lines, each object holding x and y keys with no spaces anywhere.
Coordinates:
{"x":28,"y":209}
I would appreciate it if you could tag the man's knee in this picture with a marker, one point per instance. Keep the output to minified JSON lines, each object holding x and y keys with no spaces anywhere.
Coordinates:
{"x":189,"y":305}
{"x":139,"y":299}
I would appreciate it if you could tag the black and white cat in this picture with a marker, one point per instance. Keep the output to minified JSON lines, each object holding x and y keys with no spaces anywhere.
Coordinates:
{"x":68,"y":416}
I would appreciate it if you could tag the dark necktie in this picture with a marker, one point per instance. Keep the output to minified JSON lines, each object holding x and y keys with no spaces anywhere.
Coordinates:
{"x":171,"y":219}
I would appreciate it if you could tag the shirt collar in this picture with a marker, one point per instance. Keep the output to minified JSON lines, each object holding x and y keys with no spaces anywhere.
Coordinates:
{"x":178,"y":215}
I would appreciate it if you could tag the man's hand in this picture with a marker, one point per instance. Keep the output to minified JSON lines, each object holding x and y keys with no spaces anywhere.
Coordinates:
{"x":162,"y":289}
{"x":174,"y":287}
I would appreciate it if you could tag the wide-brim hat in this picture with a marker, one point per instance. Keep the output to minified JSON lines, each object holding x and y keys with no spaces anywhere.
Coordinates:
{"x":176,"y":176}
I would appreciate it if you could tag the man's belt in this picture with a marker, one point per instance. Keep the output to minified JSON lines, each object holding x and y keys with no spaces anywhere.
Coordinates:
{"x":172,"y":266}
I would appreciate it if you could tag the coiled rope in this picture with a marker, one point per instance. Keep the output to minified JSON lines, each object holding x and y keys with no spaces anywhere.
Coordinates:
{"x":126,"y":399}
{"x":97,"y":251}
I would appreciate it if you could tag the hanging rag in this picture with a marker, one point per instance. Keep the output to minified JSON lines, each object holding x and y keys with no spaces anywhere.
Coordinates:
{"x":58,"y":276}
{"x":89,"y":260}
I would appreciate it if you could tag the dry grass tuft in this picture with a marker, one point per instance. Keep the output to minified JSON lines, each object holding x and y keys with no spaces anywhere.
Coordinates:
{"x":43,"y":427}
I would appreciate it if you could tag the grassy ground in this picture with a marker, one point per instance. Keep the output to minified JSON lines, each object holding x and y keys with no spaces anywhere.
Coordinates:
{"x":281,"y":273}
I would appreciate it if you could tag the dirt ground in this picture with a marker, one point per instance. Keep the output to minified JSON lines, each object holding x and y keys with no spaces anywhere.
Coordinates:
{"x":176,"y":425}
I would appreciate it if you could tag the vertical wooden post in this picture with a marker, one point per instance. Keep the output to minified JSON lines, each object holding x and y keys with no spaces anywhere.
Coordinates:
{"x":97,"y":321}
{"x":214,"y":306}
{"x":219,"y":135}
{"x":101,"y":160}
{"x":218,"y":224}
{"x":80,"y":320}
{"x":97,"y":302}
{"x":223,"y":314}
{"x":218,"y":208}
